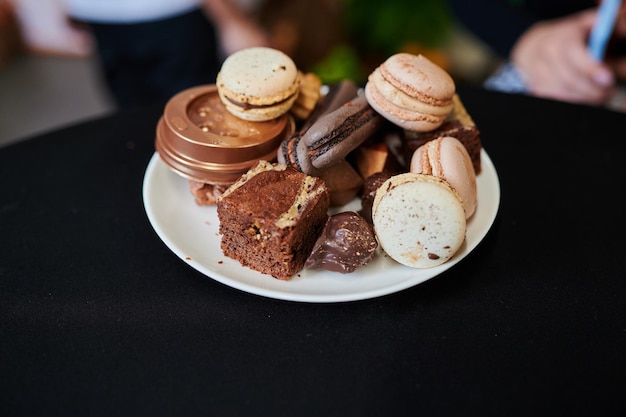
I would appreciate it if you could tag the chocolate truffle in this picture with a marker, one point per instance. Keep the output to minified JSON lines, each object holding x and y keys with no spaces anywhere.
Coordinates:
{"x":346,"y":244}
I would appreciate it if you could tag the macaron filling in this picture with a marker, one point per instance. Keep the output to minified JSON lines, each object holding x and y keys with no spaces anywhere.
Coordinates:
{"x":246,"y":105}
{"x":418,"y":77}
{"x":407,"y":119}
{"x":404,"y":101}
{"x":258,"y":84}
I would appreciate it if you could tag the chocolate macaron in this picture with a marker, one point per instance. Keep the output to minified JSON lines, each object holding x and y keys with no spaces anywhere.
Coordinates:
{"x":338,"y":94}
{"x":334,"y":135}
{"x":411,"y":92}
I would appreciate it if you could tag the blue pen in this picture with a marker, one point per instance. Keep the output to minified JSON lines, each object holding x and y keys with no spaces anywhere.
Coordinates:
{"x":603,"y":27}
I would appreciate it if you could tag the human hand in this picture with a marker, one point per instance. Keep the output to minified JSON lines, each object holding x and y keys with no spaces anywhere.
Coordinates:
{"x":241,"y":34}
{"x":236,"y":29}
{"x":618,"y":62}
{"x":555,"y":62}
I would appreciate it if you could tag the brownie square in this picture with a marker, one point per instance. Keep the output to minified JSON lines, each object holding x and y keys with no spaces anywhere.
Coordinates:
{"x":271,"y":217}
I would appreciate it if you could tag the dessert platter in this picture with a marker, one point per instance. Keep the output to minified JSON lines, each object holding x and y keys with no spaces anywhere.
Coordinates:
{"x":265,"y":184}
{"x":191,"y":232}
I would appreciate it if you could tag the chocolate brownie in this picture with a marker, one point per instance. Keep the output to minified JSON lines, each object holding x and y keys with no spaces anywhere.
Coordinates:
{"x":271,"y":218}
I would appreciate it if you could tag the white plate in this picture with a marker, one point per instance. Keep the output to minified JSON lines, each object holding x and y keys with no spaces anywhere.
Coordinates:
{"x":191,"y":232}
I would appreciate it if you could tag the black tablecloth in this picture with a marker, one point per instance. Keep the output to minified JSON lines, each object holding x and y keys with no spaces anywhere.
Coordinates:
{"x":99,"y":317}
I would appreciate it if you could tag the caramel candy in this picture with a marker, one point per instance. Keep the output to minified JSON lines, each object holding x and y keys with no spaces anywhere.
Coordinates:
{"x":377,"y":155}
{"x":310,"y":93}
{"x":206,"y":194}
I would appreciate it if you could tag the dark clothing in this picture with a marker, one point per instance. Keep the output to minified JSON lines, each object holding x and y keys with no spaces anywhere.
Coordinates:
{"x":499,"y":23}
{"x":146,"y":62}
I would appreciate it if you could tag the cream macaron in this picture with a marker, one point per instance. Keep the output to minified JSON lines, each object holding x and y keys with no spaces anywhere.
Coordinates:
{"x":418,"y":220}
{"x":447,"y":158}
{"x":258,"y":83}
{"x":411,"y":91}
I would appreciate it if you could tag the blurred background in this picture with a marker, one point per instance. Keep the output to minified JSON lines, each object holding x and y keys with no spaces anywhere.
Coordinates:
{"x":49,"y":78}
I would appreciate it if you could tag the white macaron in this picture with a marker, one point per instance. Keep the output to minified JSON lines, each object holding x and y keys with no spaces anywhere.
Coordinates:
{"x":418,"y":219}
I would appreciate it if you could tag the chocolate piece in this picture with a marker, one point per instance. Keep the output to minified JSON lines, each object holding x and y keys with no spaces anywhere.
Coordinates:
{"x":343,"y":182}
{"x":459,"y":125}
{"x":346,"y":244}
{"x":370,"y":186}
{"x":380,"y":154}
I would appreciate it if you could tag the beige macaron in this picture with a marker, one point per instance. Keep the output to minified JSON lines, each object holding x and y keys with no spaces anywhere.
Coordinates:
{"x":418,"y":220}
{"x":411,"y":91}
{"x":258,"y":84}
{"x":447,"y":158}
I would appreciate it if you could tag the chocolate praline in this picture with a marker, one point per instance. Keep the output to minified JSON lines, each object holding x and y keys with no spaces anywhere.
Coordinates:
{"x":346,"y":244}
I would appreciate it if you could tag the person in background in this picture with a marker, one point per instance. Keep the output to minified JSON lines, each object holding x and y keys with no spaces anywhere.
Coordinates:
{"x":149,"y":50}
{"x":544,"y":45}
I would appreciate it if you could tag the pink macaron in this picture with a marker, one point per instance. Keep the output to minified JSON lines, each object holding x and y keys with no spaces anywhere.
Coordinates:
{"x":411,"y":91}
{"x":447,"y":158}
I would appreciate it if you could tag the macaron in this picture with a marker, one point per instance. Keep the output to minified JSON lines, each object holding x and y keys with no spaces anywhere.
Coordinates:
{"x":411,"y":92}
{"x":334,"y":135}
{"x":418,"y":220}
{"x":447,"y":158}
{"x":258,"y":84}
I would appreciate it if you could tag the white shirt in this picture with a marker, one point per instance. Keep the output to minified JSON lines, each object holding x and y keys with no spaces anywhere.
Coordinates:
{"x":127,"y":11}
